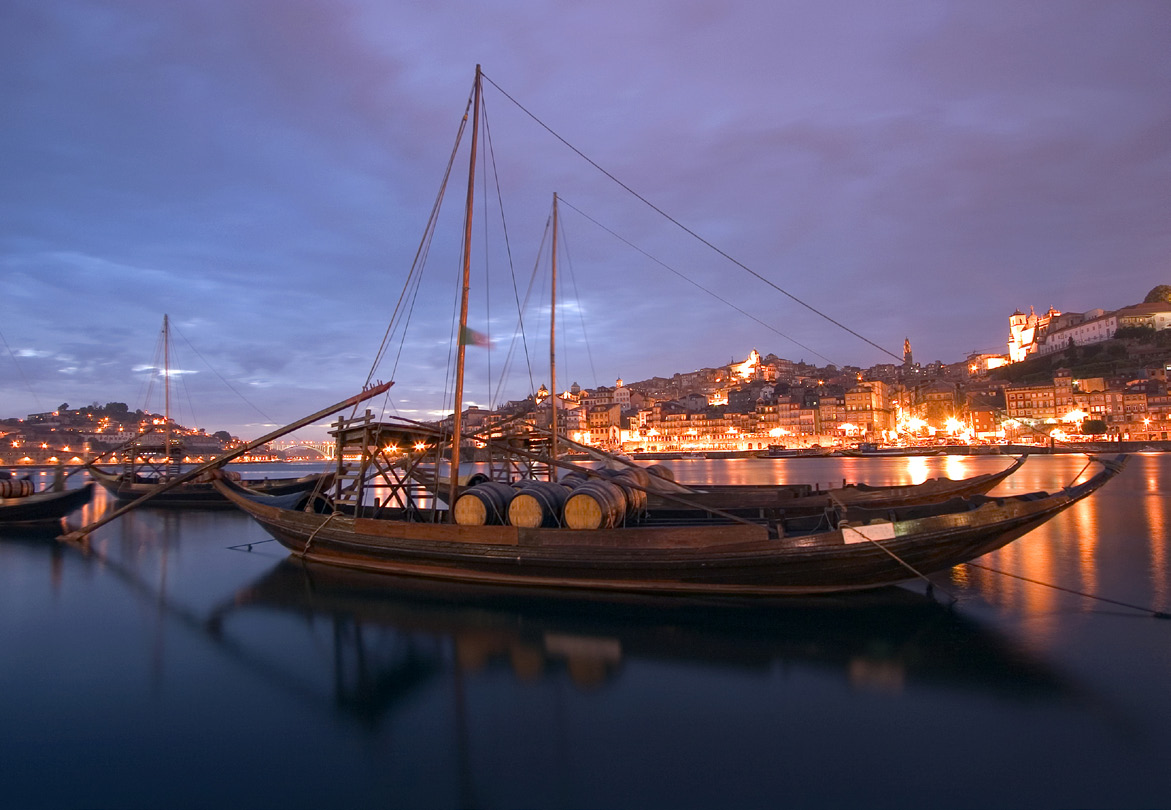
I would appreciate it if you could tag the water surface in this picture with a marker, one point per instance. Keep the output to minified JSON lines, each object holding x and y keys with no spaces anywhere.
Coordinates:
{"x":186,"y":662}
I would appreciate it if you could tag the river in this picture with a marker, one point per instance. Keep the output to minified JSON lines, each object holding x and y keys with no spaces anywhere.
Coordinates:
{"x":186,"y":662}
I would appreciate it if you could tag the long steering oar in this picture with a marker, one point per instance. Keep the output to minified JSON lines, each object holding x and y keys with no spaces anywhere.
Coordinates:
{"x":224,"y":459}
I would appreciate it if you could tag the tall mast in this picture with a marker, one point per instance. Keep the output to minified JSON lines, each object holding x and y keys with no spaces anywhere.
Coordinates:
{"x":457,"y":420}
{"x":167,"y":390}
{"x":553,"y":354}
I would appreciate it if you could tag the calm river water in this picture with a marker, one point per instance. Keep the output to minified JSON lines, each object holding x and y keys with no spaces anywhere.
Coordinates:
{"x":187,"y":663}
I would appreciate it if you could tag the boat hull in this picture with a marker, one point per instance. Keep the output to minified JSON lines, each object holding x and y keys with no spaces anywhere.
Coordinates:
{"x":43,"y":508}
{"x":743,"y":499}
{"x":200,"y":495}
{"x":729,"y":559}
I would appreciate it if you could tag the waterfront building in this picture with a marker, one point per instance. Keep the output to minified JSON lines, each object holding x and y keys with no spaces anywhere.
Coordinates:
{"x":748,"y":369}
{"x":1043,"y":402}
{"x":1073,"y":329}
{"x":831,"y":411}
{"x":1155,"y":316}
{"x":1056,"y":332}
{"x":935,"y":402}
{"x":869,"y":408}
{"x":983,"y":410}
{"x":1023,"y":332}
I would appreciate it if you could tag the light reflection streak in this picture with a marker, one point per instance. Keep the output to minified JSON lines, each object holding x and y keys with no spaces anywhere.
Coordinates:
{"x":918,"y":469}
{"x":955,"y":467}
{"x":1155,"y":508}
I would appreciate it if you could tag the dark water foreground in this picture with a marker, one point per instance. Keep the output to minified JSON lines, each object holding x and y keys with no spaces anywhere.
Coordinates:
{"x":177,"y":666}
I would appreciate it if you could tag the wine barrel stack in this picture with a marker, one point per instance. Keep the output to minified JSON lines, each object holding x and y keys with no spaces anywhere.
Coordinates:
{"x":577,"y":501}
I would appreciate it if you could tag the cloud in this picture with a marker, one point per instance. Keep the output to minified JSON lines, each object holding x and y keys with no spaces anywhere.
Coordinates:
{"x":262,"y":171}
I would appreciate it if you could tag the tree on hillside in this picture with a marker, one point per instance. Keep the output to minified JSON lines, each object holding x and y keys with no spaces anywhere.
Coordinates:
{"x":1093,"y":427}
{"x":1159,"y":295}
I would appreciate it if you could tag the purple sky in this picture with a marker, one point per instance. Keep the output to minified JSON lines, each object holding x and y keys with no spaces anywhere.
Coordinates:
{"x":262,"y":171}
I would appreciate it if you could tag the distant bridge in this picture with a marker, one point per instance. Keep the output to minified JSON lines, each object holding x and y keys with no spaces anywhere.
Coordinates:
{"x":325,"y":449}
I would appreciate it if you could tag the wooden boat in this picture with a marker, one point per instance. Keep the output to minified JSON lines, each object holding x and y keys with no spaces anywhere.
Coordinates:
{"x":780,"y":451}
{"x":666,"y":499}
{"x":126,"y":487}
{"x":871,"y":450}
{"x":155,"y":460}
{"x":377,"y":520}
{"x":43,"y":508}
{"x":798,"y":499}
{"x":846,"y":549}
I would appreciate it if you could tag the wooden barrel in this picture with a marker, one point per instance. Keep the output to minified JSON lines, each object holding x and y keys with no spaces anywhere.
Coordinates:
{"x":573,"y":479}
{"x":596,"y":504}
{"x":635,"y":495}
{"x":662,"y":471}
{"x":13,"y":488}
{"x":484,"y":504}
{"x":537,"y":504}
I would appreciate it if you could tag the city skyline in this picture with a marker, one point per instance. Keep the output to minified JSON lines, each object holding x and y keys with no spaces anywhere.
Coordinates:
{"x":261,"y":173}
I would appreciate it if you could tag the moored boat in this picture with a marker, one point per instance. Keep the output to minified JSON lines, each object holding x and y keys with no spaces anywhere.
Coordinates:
{"x":797,"y":499}
{"x":129,"y":486}
{"x":847,"y":549}
{"x":379,"y":518}
{"x":154,"y":459}
{"x":25,"y":507}
{"x":780,"y":451}
{"x":871,"y":449}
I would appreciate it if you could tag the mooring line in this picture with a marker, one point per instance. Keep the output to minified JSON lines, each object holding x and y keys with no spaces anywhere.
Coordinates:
{"x":249,"y":546}
{"x":1157,"y":614}
{"x":930,"y":585}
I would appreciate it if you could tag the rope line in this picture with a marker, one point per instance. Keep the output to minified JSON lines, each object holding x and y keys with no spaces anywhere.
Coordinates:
{"x":699,"y":286}
{"x":491,"y":152}
{"x":580,"y":309}
{"x":1157,"y":614}
{"x":687,"y":230}
{"x":930,"y":585}
{"x":27,"y":384}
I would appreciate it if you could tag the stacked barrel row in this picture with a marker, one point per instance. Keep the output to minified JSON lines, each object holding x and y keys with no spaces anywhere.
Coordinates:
{"x":14,"y":488}
{"x":577,"y":501}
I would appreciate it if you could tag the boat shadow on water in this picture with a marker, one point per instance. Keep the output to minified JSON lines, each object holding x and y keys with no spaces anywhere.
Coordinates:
{"x":392,"y":636}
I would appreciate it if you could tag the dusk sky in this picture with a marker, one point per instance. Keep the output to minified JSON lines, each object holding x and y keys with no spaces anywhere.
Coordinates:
{"x":262,"y":171}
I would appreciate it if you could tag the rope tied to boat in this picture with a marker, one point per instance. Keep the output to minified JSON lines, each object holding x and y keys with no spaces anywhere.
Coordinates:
{"x":1155,"y":614}
{"x":843,"y":526}
{"x":324,"y":523}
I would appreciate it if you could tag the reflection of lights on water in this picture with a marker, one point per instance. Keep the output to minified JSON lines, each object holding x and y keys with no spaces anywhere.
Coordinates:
{"x":887,"y":677}
{"x":918,"y":468}
{"x":955,"y":467}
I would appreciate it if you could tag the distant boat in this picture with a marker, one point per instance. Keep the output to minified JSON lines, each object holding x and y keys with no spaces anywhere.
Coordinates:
{"x":780,"y":451}
{"x":22,"y":506}
{"x":598,"y":538}
{"x":866,"y":449}
{"x":155,"y":461}
{"x":802,"y":499}
{"x":202,"y":494}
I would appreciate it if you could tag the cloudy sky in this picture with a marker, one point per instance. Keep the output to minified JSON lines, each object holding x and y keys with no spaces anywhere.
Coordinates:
{"x":263,"y":171}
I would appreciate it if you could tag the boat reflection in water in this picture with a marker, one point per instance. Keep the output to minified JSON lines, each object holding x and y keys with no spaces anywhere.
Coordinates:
{"x":391,"y":635}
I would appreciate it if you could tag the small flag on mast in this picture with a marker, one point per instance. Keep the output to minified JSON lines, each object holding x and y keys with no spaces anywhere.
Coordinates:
{"x":470,"y":337}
